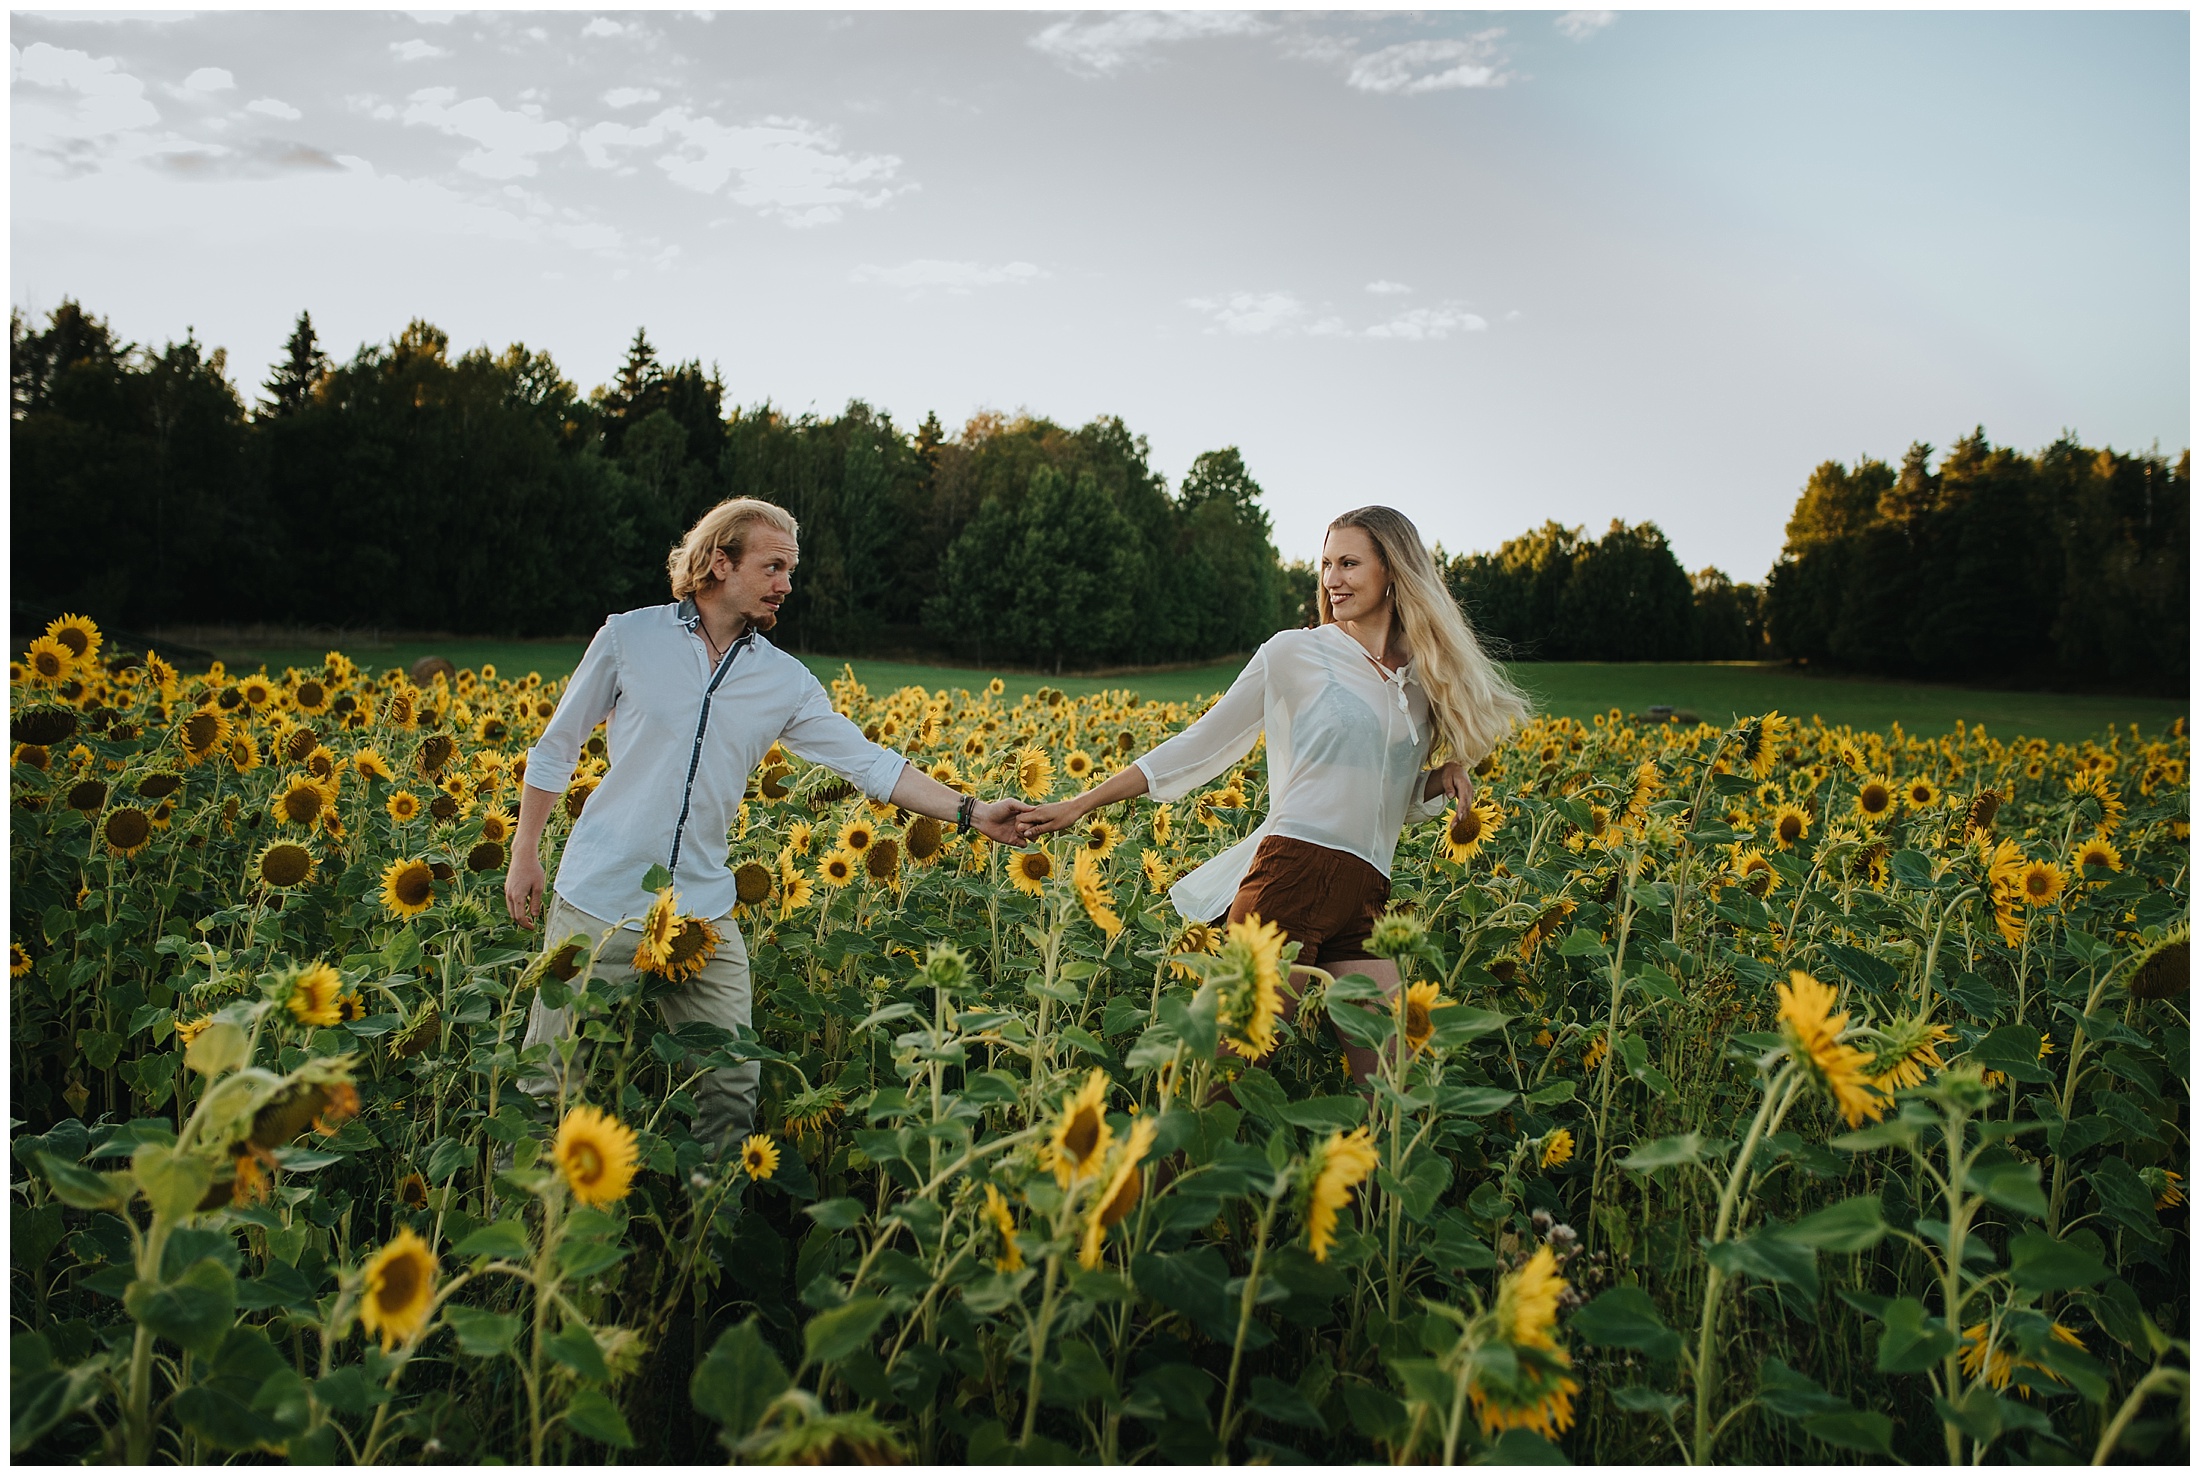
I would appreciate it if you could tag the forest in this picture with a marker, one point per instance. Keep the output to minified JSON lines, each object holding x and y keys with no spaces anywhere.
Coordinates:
{"x":411,"y":487}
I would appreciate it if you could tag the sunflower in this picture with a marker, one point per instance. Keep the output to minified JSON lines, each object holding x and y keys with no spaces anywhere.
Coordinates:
{"x":996,"y":1211}
{"x":2095,"y":852}
{"x":201,"y":735}
{"x":78,"y":635}
{"x":1101,"y":838}
{"x":839,"y":868}
{"x":397,"y":1289}
{"x":1250,"y":987}
{"x":596,"y":1153}
{"x":882,"y":862}
{"x":945,"y":772}
{"x":284,"y":864}
{"x":924,"y":838}
{"x":1415,"y":1002}
{"x":798,"y":837}
{"x":1599,"y":1048}
{"x":257,"y":692}
{"x":1028,"y":870}
{"x":127,"y":830}
{"x":1874,"y":801}
{"x":412,"y":1191}
{"x":1790,"y":823}
{"x":496,"y":824}
{"x":1756,"y":875}
{"x":856,"y":836}
{"x":19,"y":960}
{"x":403,"y":806}
{"x":1814,"y":1042}
{"x":1197,"y":938}
{"x":1344,"y":1160}
{"x":1160,"y":875}
{"x":2040,"y":884}
{"x":1999,"y":1365}
{"x":795,"y":892}
{"x":1978,"y":815}
{"x":1558,"y":1147}
{"x":1546,"y":925}
{"x":408,"y":887}
{"x":1034,"y":773}
{"x":1077,"y":764}
{"x":660,"y":930}
{"x":1643,"y":790}
{"x":1160,"y":825}
{"x":313,"y":995}
{"x":86,"y":797}
{"x":1465,"y":831}
{"x":1537,"y":1393}
{"x":1126,"y":1182}
{"x":2093,"y":784}
{"x":759,"y":1157}
{"x":1920,"y":794}
{"x":244,"y":753}
{"x":301,"y":801}
{"x":1080,"y":1136}
{"x":2170,"y":1192}
{"x":2163,"y":968}
{"x":1907,"y":1048}
{"x":752,"y":884}
{"x":1759,"y":741}
{"x":1093,"y":893}
{"x":49,"y":661}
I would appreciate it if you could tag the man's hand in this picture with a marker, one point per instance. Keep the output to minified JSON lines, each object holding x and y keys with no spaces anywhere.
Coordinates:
{"x":999,"y":821}
{"x":1453,"y":779}
{"x":1046,"y":819}
{"x":523,"y":884}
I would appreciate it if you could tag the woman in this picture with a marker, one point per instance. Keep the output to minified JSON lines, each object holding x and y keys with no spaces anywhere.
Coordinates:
{"x":1353,"y":710}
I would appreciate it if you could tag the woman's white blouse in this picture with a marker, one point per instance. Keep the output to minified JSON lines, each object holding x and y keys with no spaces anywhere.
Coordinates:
{"x":1347,"y":743}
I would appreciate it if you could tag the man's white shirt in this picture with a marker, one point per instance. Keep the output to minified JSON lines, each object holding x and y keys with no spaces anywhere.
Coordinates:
{"x":650,"y":676}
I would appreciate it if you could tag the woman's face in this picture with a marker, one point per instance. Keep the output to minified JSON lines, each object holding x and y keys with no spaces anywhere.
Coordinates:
{"x":1353,"y":574}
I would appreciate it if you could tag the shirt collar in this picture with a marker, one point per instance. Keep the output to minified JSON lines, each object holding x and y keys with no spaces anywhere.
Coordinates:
{"x":690,"y":617}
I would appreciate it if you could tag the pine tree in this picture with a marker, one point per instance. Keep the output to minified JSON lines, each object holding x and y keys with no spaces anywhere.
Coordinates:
{"x":303,"y":367}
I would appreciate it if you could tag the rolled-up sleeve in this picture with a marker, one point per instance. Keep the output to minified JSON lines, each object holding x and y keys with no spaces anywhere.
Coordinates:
{"x":823,"y":736}
{"x":1419,"y":808}
{"x":590,"y":694}
{"x":1222,"y":736}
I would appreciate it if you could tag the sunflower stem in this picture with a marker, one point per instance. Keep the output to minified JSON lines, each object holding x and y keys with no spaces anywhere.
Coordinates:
{"x":1779,"y":1096}
{"x":1246,"y":1303}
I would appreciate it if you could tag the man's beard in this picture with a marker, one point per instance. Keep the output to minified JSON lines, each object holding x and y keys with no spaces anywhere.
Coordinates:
{"x":764,"y":622}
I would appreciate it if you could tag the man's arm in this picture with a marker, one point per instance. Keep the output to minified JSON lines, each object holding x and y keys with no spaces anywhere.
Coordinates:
{"x":524,"y":880}
{"x":919,"y":792}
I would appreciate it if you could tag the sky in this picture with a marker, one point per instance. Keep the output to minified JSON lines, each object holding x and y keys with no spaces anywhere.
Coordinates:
{"x":1489,"y":268}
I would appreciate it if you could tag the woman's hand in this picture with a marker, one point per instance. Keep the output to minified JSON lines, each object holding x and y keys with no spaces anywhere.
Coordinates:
{"x":1001,"y":820}
{"x":1046,"y":819}
{"x":1452,"y":779}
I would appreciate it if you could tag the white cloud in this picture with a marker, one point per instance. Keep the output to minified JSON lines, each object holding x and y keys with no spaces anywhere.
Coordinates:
{"x":1580,"y":25}
{"x":416,"y":50}
{"x":958,"y":277}
{"x":65,"y":98}
{"x":1388,"y":288}
{"x":787,"y":168}
{"x":1283,"y":315}
{"x":1426,"y":323}
{"x":273,"y":107}
{"x":1105,"y":46}
{"x":1430,"y":66}
{"x":433,"y":17}
{"x":627,"y":97}
{"x":209,"y":79}
{"x":1254,"y":313}
{"x":602,"y":27}
{"x":508,"y":139}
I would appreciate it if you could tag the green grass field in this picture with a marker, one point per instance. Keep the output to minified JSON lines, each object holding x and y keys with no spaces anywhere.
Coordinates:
{"x":1716,"y":692}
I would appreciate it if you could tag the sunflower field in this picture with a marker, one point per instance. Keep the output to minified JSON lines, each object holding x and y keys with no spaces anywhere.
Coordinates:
{"x":1772,"y":1093}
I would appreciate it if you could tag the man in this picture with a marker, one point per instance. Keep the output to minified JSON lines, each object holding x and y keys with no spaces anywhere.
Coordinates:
{"x":695,"y":696}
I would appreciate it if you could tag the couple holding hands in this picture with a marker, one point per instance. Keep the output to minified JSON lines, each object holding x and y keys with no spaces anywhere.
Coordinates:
{"x":694,"y":696}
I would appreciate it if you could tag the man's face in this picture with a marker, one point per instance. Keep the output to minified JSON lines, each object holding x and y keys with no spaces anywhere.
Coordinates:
{"x":761,"y":582}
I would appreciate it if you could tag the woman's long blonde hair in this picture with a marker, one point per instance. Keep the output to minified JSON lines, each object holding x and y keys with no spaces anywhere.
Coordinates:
{"x":1473,"y":701}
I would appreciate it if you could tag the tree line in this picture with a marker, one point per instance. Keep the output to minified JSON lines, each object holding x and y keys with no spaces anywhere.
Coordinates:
{"x":410,"y":487}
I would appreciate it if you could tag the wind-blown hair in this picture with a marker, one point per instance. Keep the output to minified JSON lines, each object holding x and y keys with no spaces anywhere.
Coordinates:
{"x":1474,"y":703}
{"x":725,"y":526}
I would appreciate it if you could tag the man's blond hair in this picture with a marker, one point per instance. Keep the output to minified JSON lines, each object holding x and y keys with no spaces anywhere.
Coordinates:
{"x":725,"y":526}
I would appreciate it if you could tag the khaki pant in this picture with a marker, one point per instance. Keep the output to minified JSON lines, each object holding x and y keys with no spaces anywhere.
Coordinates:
{"x":719,"y":995}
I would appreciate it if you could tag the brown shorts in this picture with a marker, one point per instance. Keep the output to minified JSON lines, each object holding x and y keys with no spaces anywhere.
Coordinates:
{"x":1325,"y":901}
